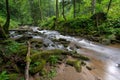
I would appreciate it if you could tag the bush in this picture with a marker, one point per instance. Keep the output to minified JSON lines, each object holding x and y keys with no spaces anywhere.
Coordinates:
{"x":53,"y":59}
{"x":4,"y":76}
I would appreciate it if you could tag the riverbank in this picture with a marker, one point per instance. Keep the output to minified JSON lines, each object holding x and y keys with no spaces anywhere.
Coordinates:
{"x":46,"y":41}
{"x":97,"y":68}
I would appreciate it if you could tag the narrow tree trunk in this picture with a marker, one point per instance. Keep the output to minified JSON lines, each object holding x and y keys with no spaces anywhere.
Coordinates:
{"x":6,"y":25}
{"x":57,"y":10}
{"x":40,"y":9}
{"x":109,"y":6}
{"x":2,"y":33}
{"x":93,"y":4}
{"x":78,"y":7}
{"x":63,"y":13}
{"x":74,"y":8}
{"x":27,"y":63}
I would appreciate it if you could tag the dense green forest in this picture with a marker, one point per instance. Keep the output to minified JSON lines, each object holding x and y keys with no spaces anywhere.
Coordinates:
{"x":95,"y":20}
{"x":70,"y":16}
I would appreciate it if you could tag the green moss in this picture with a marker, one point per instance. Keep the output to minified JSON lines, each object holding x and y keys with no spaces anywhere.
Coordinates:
{"x":37,"y":68}
{"x":35,"y":57}
{"x":81,"y":57}
{"x":76,"y":64}
{"x":45,"y":54}
{"x":36,"y":40}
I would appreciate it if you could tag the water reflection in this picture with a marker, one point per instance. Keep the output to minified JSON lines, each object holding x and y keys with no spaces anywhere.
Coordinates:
{"x":112,"y":71}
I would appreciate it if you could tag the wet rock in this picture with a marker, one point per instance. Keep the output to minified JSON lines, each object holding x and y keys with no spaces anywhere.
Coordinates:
{"x":47,"y":42}
{"x":23,"y":38}
{"x":64,"y":42}
{"x":36,"y":43}
{"x":89,"y":68}
{"x":106,"y":41}
{"x":81,"y":57}
{"x":118,"y":65}
{"x":74,"y":46}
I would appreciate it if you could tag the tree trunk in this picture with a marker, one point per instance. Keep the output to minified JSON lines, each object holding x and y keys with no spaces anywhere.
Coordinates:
{"x":109,"y":6}
{"x":57,"y":10}
{"x":2,"y":33}
{"x":93,"y":4}
{"x":40,"y":9}
{"x":63,"y":13}
{"x":6,"y":25}
{"x":27,"y":67}
{"x":74,"y":8}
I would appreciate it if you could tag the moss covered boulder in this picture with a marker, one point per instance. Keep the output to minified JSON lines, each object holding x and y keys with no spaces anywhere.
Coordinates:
{"x":76,"y":64}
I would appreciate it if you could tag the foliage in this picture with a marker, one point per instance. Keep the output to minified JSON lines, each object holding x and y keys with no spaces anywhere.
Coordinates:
{"x":110,"y":27}
{"x":12,"y":47}
{"x":37,"y":66}
{"x":48,"y":75}
{"x":13,"y":23}
{"x":52,"y":73}
{"x":53,"y":59}
{"x":4,"y":76}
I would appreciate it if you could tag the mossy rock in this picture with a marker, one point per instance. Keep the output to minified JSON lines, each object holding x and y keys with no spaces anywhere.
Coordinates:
{"x":37,"y":68}
{"x":76,"y":64}
{"x":36,"y":43}
{"x":81,"y":57}
{"x":106,"y":41}
{"x":36,"y":40}
{"x":62,"y":41}
{"x":45,"y":54}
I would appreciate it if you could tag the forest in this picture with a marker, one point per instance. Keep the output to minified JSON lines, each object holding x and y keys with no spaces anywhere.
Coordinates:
{"x":59,"y":39}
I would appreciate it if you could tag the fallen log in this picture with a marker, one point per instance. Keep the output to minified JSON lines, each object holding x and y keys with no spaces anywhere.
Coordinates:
{"x":20,"y":30}
{"x":27,"y":62}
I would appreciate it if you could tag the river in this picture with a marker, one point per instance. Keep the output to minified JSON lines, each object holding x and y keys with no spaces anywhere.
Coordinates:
{"x":104,"y":59}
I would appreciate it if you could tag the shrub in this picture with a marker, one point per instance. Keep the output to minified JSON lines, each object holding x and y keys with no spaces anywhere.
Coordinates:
{"x":4,"y":76}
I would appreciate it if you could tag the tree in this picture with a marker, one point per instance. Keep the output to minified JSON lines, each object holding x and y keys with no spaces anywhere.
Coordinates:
{"x":57,"y":10}
{"x":35,"y":11}
{"x":39,"y":2}
{"x":4,"y":31}
{"x":6,"y":25}
{"x":63,"y":6}
{"x":74,"y":8}
{"x":109,"y":6}
{"x":93,"y":3}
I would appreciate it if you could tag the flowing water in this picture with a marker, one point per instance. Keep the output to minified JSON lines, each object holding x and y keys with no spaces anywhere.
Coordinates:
{"x":106,"y":60}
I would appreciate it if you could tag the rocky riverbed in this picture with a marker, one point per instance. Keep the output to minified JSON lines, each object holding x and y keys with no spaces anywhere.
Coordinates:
{"x":104,"y":60}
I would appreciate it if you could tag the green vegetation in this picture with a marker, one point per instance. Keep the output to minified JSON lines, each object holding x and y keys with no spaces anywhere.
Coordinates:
{"x":53,"y":59}
{"x":76,"y":64}
{"x":13,"y":54}
{"x":96,"y":20}
{"x":13,"y":23}
{"x":77,"y":14}
{"x":4,"y":76}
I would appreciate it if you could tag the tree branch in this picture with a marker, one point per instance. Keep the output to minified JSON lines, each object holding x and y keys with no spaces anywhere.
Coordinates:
{"x":27,"y":62}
